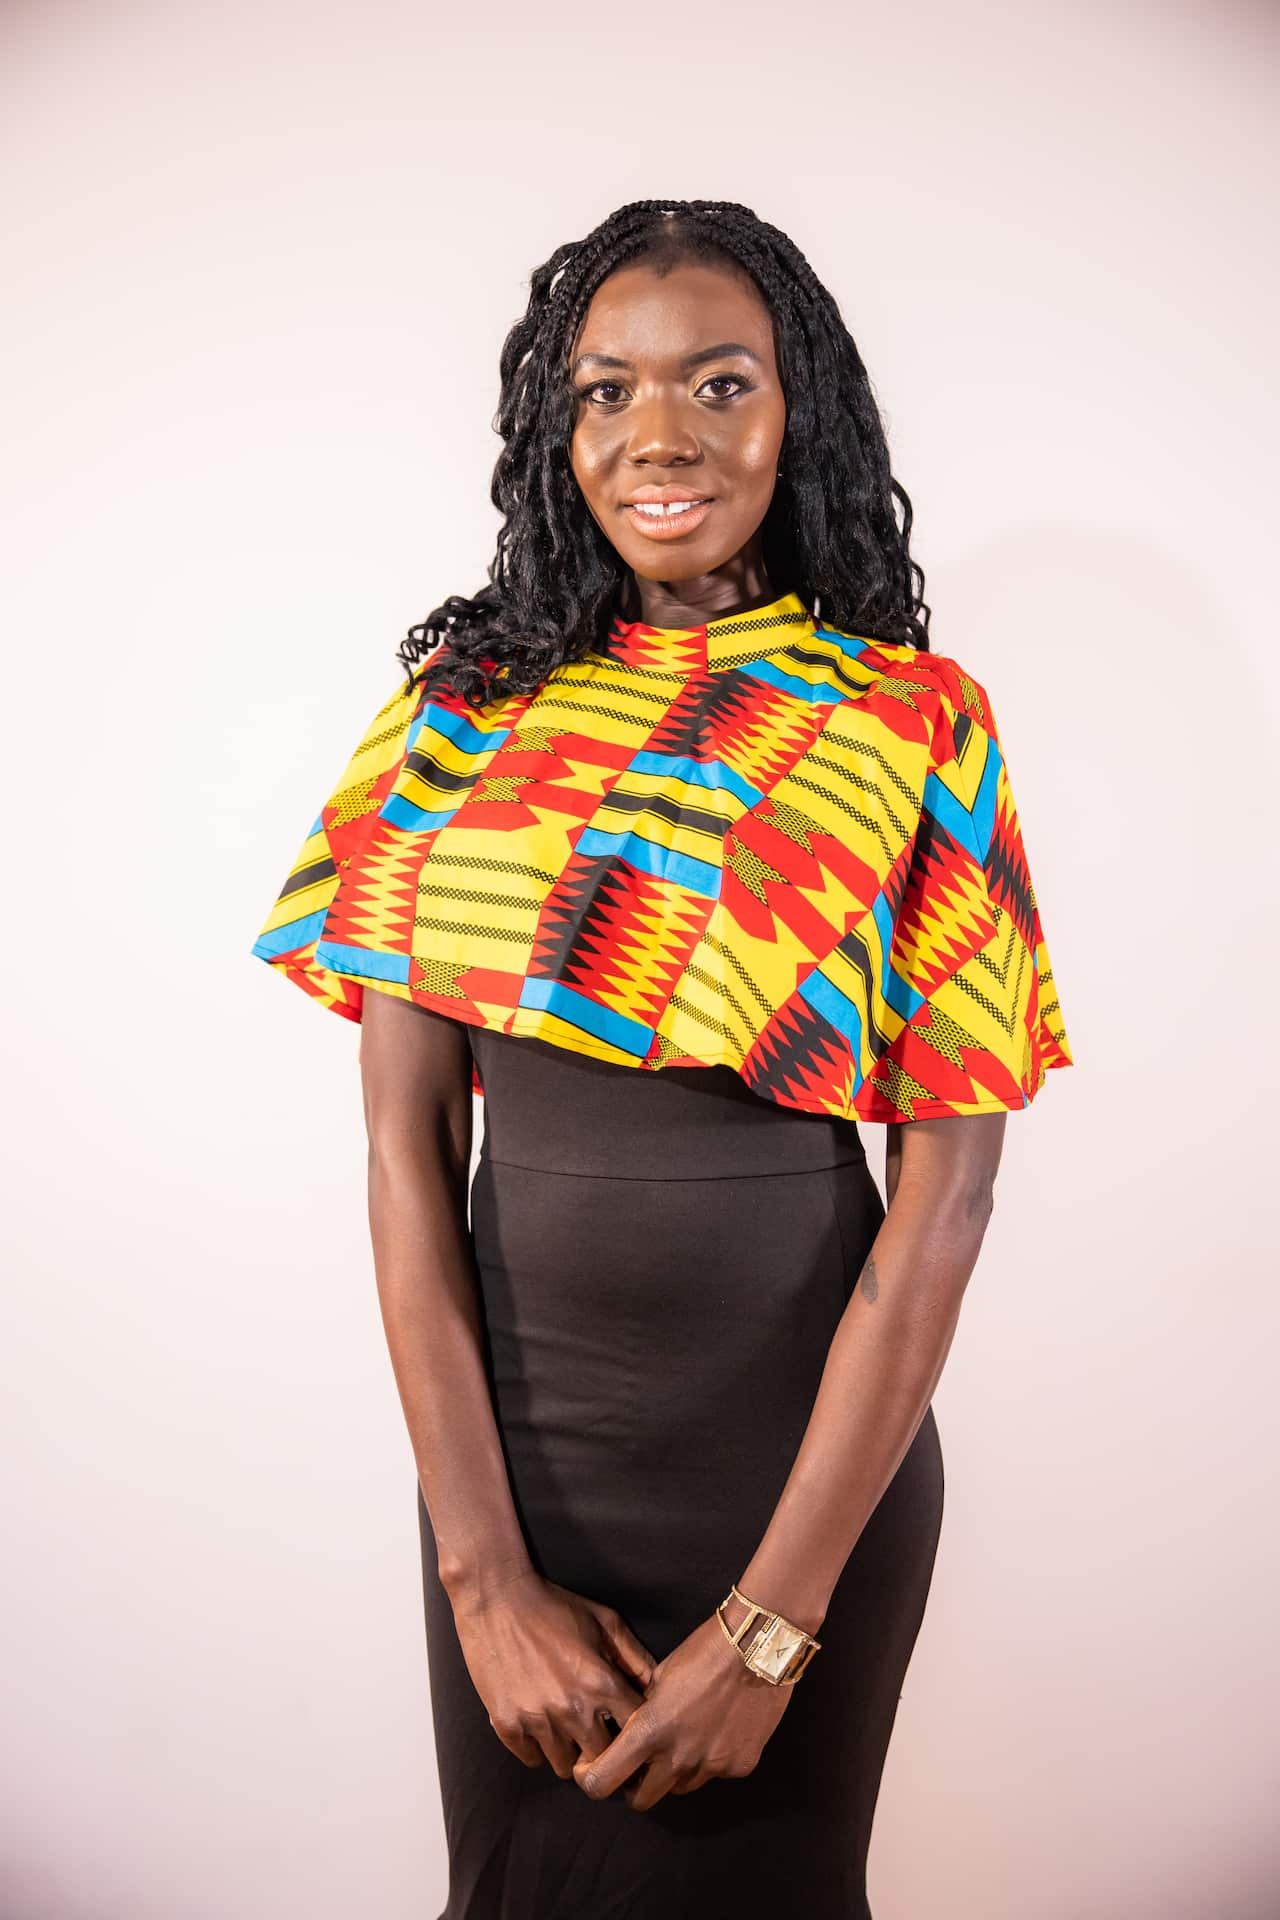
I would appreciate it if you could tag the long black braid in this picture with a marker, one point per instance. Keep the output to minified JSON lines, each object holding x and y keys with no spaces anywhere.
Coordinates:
{"x":831,"y":534}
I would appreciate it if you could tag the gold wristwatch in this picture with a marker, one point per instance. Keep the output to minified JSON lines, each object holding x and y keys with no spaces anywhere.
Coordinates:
{"x":779,"y":1651}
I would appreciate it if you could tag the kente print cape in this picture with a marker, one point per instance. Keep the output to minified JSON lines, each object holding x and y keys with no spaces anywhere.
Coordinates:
{"x":759,"y":843}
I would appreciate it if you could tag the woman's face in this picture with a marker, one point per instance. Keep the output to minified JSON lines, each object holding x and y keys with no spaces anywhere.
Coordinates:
{"x":679,"y":399}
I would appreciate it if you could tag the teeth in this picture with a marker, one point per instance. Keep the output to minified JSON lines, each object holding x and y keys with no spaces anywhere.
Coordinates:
{"x":658,"y":510}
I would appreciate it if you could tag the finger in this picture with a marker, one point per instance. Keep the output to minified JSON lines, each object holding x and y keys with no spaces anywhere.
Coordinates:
{"x":561,"y":1753}
{"x":615,"y":1696}
{"x":597,"y":1733}
{"x":656,"y":1780}
{"x":599,"y":1777}
{"x":691,"y":1781}
{"x":521,"y":1745}
{"x":630,"y":1652}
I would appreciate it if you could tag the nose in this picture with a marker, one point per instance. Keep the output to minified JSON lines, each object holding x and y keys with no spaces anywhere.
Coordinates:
{"x":660,"y":436}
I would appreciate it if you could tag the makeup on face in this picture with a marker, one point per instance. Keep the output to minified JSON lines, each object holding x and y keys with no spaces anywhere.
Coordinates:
{"x":680,"y":416}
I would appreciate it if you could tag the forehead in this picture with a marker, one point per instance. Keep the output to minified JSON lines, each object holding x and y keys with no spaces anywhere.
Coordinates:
{"x":645,"y":317}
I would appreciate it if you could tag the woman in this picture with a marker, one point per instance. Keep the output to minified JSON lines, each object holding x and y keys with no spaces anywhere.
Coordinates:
{"x":687,"y":853}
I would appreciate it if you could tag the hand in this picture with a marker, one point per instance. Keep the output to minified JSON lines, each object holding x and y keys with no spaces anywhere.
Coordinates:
{"x":705,"y":1715}
{"x":549,"y":1665}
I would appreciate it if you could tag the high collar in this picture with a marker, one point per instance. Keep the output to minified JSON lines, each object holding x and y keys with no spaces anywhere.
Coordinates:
{"x":716,"y":644}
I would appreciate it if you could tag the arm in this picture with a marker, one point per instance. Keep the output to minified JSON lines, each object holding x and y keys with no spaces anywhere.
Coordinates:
{"x":546,"y":1662}
{"x":885,"y":1360}
{"x":705,"y":1713}
{"x":416,"y":1075}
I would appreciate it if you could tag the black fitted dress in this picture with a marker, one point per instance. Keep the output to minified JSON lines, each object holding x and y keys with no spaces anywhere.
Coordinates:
{"x":663,"y":1260}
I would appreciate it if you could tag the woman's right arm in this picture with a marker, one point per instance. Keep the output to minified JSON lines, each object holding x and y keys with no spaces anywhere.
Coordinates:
{"x":546,"y":1662}
{"x":416,"y":1074}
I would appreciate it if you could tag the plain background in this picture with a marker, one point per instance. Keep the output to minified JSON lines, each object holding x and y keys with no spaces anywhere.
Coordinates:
{"x":260,"y":259}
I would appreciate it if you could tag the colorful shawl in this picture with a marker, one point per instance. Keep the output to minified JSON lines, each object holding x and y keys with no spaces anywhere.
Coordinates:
{"x":760,"y":843}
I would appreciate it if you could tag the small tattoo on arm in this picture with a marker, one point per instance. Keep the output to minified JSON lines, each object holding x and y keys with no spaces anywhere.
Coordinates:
{"x":868,"y":1280}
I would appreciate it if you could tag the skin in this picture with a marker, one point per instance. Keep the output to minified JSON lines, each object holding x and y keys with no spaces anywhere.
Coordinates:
{"x":564,"y":1679}
{"x":646,"y":418}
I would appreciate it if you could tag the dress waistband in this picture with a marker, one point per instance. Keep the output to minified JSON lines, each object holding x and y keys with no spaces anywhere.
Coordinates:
{"x":556,"y":1111}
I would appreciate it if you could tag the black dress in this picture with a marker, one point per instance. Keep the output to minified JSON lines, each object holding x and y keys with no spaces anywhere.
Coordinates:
{"x":663,"y":1260}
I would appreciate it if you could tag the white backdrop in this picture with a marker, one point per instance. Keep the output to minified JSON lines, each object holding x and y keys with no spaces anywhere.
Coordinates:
{"x":259,"y":262}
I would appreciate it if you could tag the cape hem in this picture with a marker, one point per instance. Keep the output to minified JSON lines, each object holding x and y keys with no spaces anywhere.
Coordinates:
{"x":932,"y":1109}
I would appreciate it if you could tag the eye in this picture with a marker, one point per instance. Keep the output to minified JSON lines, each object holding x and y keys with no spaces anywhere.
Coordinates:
{"x":585,"y":393}
{"x":743,"y":386}
{"x":612,"y":391}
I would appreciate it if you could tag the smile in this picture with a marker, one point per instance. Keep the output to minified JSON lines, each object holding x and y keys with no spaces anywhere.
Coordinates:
{"x":666,"y":520}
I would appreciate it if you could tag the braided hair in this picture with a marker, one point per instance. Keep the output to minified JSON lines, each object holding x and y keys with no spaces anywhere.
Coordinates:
{"x":831,"y":534}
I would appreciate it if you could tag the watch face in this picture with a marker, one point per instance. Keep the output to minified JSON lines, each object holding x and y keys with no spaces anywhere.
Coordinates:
{"x":774,"y":1651}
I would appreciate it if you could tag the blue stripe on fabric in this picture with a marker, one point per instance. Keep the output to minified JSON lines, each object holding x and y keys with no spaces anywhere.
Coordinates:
{"x":712,"y":774}
{"x":681,"y":869}
{"x":775,"y":676}
{"x":402,"y":812}
{"x":551,"y":996}
{"x":952,"y":814}
{"x":374,"y":966}
{"x":984,"y":805}
{"x":852,"y":645}
{"x":297,"y":933}
{"x":825,"y":996}
{"x":895,"y":991}
{"x":456,"y":727}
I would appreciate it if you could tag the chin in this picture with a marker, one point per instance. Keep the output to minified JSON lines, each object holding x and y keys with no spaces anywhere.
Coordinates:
{"x":663,"y":562}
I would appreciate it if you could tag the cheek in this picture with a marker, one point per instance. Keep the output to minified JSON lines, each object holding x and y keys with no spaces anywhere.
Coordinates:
{"x":758,"y":451}
{"x":588,"y":459}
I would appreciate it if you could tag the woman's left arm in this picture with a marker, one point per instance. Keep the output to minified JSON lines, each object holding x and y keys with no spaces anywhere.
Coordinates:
{"x":705,"y":1713}
{"x":884,"y":1362}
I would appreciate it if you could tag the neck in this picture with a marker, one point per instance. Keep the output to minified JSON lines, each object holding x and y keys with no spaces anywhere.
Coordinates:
{"x":736,"y":587}
{"x":711,"y":645}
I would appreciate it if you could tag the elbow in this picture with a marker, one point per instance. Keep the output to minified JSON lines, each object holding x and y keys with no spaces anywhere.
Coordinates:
{"x":960,"y":1204}
{"x":957,"y":1225}
{"x":435,"y":1145}
{"x":977,"y":1202}
{"x":965,"y":1219}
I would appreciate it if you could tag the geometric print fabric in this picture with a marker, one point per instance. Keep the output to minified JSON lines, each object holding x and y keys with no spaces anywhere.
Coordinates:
{"x":760,"y":843}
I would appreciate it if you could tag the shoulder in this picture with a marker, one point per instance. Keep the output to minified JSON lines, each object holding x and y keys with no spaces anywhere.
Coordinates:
{"x":954,"y":684}
{"x":943,"y":687}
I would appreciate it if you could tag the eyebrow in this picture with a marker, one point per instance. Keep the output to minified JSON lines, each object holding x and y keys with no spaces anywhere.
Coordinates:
{"x":690,"y":360}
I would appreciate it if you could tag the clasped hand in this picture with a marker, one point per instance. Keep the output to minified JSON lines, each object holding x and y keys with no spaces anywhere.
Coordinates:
{"x":554,"y":1668}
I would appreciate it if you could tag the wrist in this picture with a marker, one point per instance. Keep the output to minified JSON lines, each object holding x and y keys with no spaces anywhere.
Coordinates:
{"x":803,"y":1610}
{"x":474,"y":1584}
{"x":767,"y":1641}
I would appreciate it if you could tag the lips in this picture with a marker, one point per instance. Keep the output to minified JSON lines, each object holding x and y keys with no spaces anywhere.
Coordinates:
{"x":666,"y":513}
{"x":660,"y":496}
